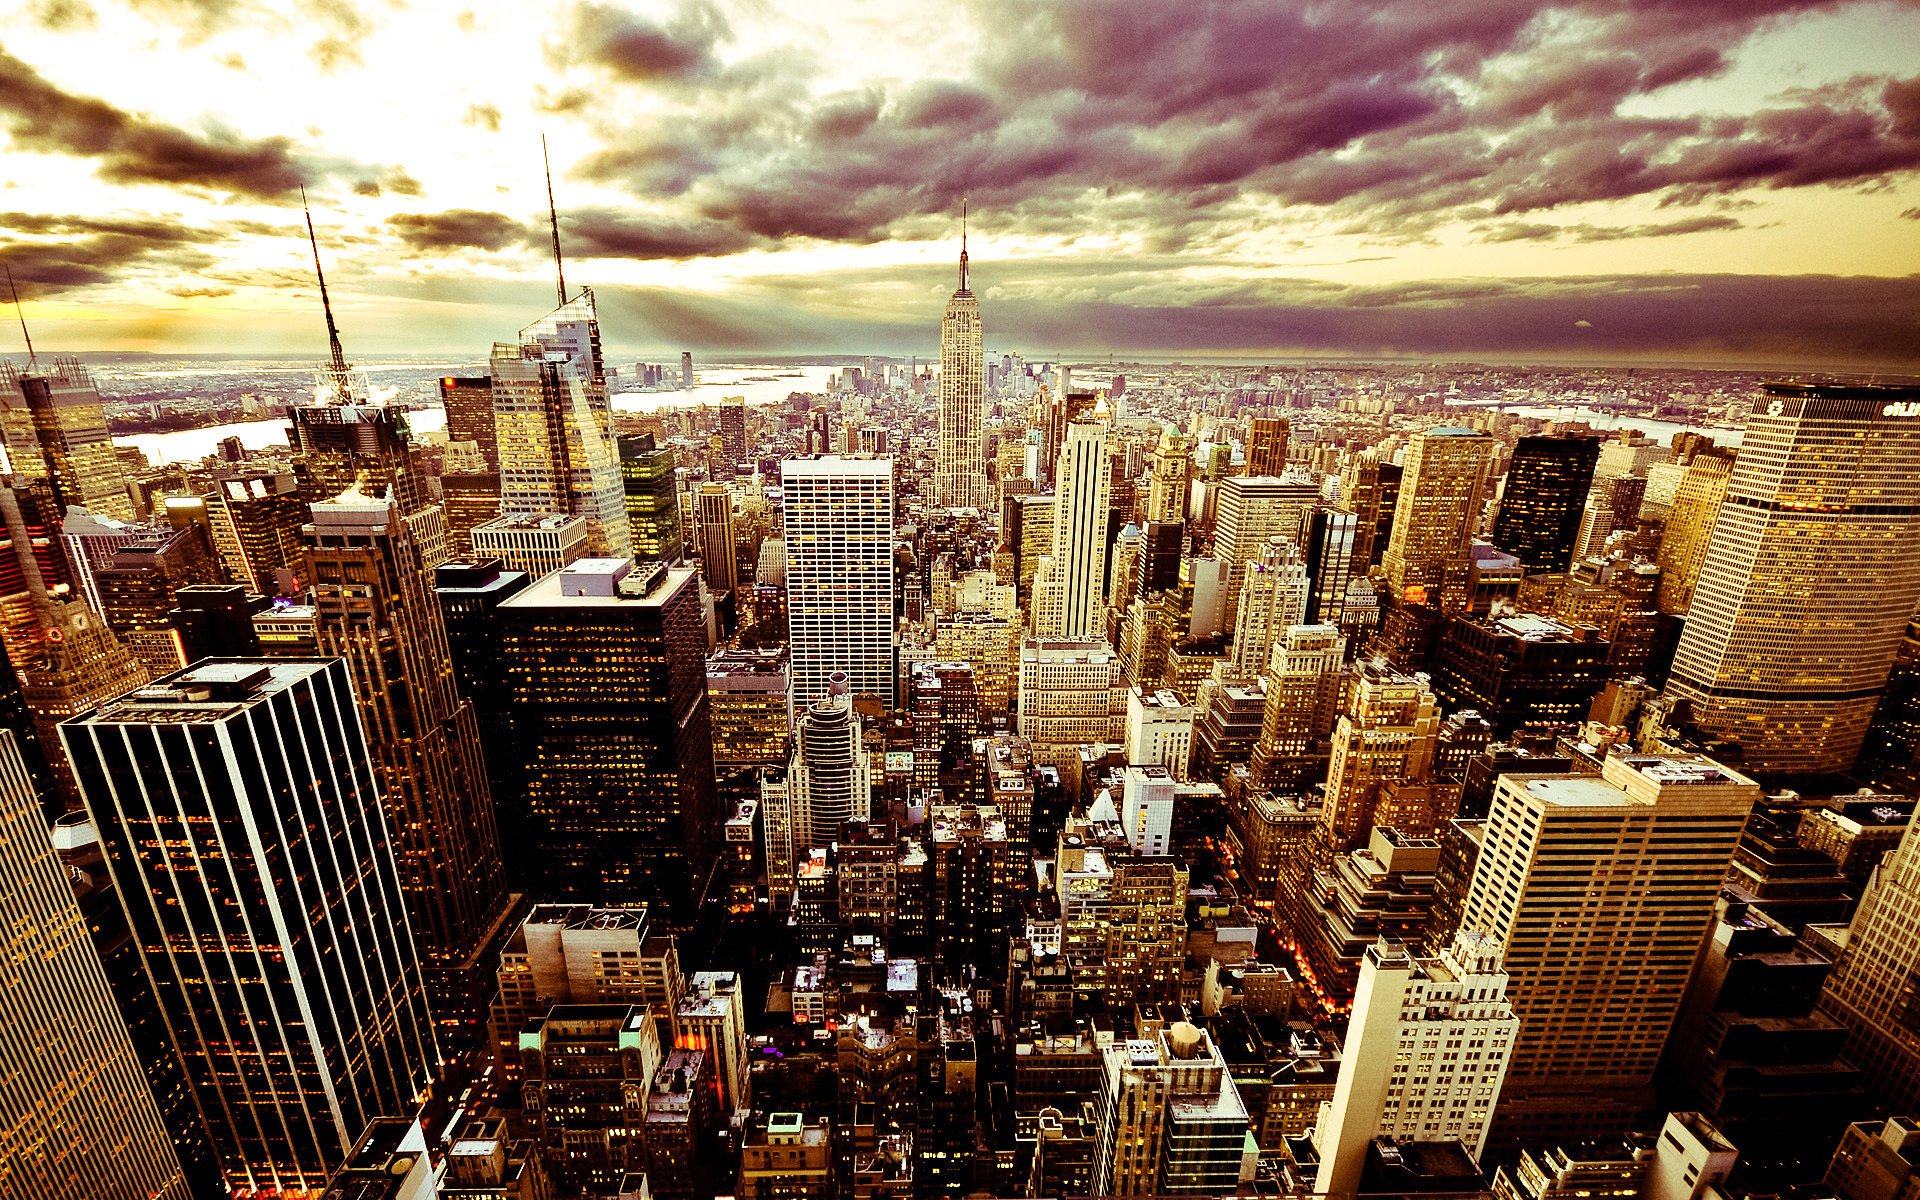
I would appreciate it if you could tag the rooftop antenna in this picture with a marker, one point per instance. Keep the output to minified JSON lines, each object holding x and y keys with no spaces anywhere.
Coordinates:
{"x":337,"y":368}
{"x":553,"y":220}
{"x":963,"y":243}
{"x":21,"y":313}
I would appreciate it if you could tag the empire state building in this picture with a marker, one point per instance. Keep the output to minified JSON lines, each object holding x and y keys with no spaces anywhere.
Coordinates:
{"x":960,"y":473}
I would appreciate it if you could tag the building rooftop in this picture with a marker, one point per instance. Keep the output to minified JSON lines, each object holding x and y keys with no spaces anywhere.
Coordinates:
{"x":536,"y":522}
{"x":605,"y":583}
{"x":210,"y":690}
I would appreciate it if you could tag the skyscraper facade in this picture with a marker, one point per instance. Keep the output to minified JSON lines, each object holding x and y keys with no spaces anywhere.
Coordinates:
{"x":241,"y":819}
{"x":469,"y":404}
{"x":1067,"y":593}
{"x":1601,"y":890}
{"x":373,"y":592}
{"x":1267,"y":445}
{"x":1810,"y":575}
{"x":653,"y":504}
{"x":77,"y":1120}
{"x":718,"y":563}
{"x":1441,"y":492}
{"x":1540,"y":507}
{"x":54,"y":425}
{"x":960,"y":469}
{"x":829,"y":776}
{"x":839,"y":543}
{"x":1253,"y":510}
{"x":554,"y":426}
{"x":1871,"y":988}
{"x":1689,"y":528}
{"x":607,"y":663}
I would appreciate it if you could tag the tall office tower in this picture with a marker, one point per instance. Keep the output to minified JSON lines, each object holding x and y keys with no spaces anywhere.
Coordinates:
{"x":1144,"y":927}
{"x":733,"y":429}
{"x":1253,"y":510}
{"x":1067,"y":587}
{"x":747,"y":710}
{"x":960,"y":469}
{"x":1026,"y":530}
{"x":1161,"y":544}
{"x":1401,"y":1075}
{"x":1386,"y":735}
{"x":194,"y":788}
{"x":1546,"y":489}
{"x":554,"y":425}
{"x":215,"y":621}
{"x":713,"y":1020}
{"x":1809,"y":578}
{"x":1440,"y":499}
{"x":1371,"y":488}
{"x":839,"y":538}
{"x":89,"y":539}
{"x":338,"y":447}
{"x":54,"y":425}
{"x":1267,"y":445}
{"x":77,"y":1119}
{"x":990,"y":644}
{"x":1170,"y":473}
{"x":1071,"y":693}
{"x":1146,"y":809}
{"x":653,"y":506}
{"x":1273,"y":597}
{"x":468,"y":499}
{"x":1871,"y":988}
{"x":579,"y":954}
{"x":828,"y":781}
{"x":1519,"y":671}
{"x":376,"y":607}
{"x":1330,"y":535}
{"x":943,"y":711}
{"x":537,"y":543}
{"x":686,"y":370}
{"x":970,"y":883}
{"x":1601,"y":890}
{"x":607,"y":664}
{"x":1171,"y":1121}
{"x":137,"y":587}
{"x":1689,"y":528}
{"x":469,"y":592}
{"x":1303,"y":675}
{"x":1159,"y":729}
{"x":256,"y":524}
{"x":719,"y":565}
{"x":469,"y":404}
{"x":589,"y":1070}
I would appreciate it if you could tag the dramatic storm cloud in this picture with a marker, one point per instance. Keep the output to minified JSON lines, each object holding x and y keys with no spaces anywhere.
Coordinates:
{"x":1699,"y":179}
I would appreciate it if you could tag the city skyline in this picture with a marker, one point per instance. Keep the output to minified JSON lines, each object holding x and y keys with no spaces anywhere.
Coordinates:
{"x":1602,"y":181}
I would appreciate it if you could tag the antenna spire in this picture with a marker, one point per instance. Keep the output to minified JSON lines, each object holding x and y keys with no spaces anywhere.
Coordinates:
{"x":22,"y":314}
{"x":337,"y":368}
{"x":963,"y":243}
{"x":553,"y":220}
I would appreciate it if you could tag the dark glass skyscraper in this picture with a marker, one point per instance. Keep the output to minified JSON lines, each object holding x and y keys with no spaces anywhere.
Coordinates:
{"x":469,"y":403}
{"x":653,"y":503}
{"x":470,"y":592}
{"x":1546,"y":492}
{"x":239,"y":812}
{"x":607,"y":663}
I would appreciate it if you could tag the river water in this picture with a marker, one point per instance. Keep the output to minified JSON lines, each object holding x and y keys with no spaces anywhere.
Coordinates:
{"x":1659,"y":431}
{"x":760,"y":385}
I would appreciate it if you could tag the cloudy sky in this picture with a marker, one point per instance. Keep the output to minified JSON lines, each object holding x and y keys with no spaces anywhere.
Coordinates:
{"x":1683,"y":180}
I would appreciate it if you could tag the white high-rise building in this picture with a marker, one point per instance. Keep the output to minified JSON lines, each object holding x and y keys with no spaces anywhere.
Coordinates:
{"x":1159,"y":729}
{"x":828,"y":782}
{"x":1146,"y":809}
{"x":960,"y":465}
{"x":1071,"y":693}
{"x":1427,"y":1049}
{"x":1067,"y":600}
{"x":553,"y":425}
{"x":839,"y":542}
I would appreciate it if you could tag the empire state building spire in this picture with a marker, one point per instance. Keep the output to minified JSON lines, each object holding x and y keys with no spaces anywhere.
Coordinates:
{"x":960,"y":467}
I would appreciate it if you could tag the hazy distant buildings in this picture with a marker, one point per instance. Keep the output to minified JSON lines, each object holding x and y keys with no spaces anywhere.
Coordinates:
{"x":1810,"y":576}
